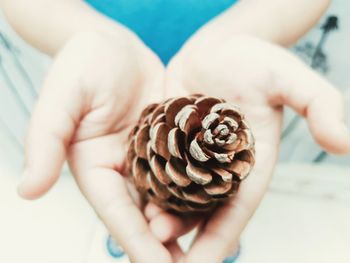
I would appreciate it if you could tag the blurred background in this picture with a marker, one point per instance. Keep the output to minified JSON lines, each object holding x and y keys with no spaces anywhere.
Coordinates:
{"x":305,"y":216}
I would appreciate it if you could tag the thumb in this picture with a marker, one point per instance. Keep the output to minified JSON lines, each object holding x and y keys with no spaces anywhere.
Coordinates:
{"x":313,"y":97}
{"x":50,"y":131}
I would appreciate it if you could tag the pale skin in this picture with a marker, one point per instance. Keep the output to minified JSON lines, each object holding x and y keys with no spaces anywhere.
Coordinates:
{"x":103,"y":75}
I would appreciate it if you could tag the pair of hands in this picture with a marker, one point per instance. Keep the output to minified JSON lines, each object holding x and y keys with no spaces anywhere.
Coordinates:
{"x":99,"y":83}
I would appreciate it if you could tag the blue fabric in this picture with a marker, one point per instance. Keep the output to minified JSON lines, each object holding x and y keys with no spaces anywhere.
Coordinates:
{"x":164,"y":25}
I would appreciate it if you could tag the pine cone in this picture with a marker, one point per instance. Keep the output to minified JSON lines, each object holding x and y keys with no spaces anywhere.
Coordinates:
{"x":190,"y":153}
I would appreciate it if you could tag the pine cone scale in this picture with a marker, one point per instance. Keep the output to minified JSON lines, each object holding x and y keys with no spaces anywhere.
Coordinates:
{"x":204,"y":103}
{"x":198,"y":175}
{"x":218,"y":188}
{"x":200,"y":196}
{"x":159,"y":139}
{"x":176,"y":170}
{"x":158,"y":169}
{"x":176,"y":142}
{"x":173,"y":107}
{"x":140,"y":170}
{"x":225,"y":175}
{"x":159,"y":189}
{"x":141,"y":140}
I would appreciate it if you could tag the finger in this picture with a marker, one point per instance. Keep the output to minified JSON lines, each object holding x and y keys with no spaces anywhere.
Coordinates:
{"x":175,"y":251}
{"x":50,"y":131}
{"x":97,"y":164}
{"x":222,"y":231}
{"x":107,"y":192}
{"x":152,"y":210}
{"x":167,"y":227}
{"x":315,"y":98}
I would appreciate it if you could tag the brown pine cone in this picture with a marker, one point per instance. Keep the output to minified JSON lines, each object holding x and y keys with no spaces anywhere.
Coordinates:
{"x":190,"y":153}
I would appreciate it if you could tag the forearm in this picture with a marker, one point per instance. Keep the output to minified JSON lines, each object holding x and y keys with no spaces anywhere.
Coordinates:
{"x":48,"y":24}
{"x":279,"y":21}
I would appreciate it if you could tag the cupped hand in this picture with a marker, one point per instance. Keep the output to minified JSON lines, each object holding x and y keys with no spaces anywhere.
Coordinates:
{"x":261,"y":78}
{"x":93,"y":92}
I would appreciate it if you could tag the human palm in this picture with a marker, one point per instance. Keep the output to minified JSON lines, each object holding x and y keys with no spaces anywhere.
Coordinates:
{"x":91,"y":98}
{"x":261,"y":78}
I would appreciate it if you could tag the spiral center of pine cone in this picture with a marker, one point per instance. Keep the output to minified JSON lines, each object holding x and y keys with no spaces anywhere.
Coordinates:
{"x":190,"y":153}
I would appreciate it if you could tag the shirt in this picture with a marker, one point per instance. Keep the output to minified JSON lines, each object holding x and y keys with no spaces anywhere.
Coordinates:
{"x":164,"y":25}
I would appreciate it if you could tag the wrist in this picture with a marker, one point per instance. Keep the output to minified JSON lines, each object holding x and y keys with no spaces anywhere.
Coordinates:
{"x":268,"y":20}
{"x":49,"y":24}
